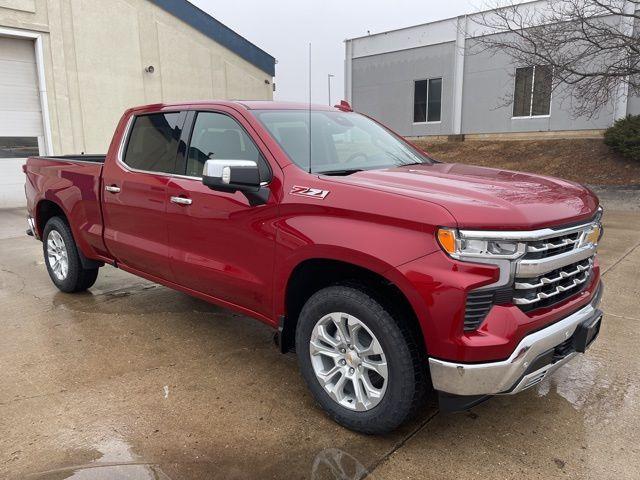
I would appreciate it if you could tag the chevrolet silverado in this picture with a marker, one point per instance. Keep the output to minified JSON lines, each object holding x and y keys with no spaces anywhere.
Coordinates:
{"x":389,"y":273}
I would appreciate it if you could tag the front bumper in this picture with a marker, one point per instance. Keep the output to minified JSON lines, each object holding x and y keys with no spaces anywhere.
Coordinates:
{"x":535,"y":357}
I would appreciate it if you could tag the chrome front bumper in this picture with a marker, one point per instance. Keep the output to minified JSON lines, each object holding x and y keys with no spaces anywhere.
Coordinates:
{"x":520,"y":370}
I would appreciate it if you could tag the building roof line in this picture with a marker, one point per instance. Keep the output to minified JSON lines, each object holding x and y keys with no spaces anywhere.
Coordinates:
{"x":219,"y":32}
{"x":433,"y":22}
{"x":393,"y":30}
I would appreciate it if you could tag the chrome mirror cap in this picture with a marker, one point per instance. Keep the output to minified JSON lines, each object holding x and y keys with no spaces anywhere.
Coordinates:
{"x":231,"y":175}
{"x":221,"y":169}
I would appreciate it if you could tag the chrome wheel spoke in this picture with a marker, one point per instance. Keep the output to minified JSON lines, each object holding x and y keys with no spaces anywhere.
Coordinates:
{"x":340,"y":321}
{"x":317,"y":348}
{"x":337,"y":390}
{"x":327,"y":376}
{"x":374,"y":348}
{"x":327,"y":338}
{"x":354,"y":326}
{"x":379,"y":367}
{"x":372,"y":392}
{"x":361,"y":398}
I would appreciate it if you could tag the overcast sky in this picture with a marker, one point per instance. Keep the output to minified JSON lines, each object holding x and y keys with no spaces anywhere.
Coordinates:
{"x":284,"y":29}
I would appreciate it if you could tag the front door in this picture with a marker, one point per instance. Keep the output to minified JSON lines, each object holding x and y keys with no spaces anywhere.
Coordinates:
{"x":135,"y":194}
{"x":220,"y":245}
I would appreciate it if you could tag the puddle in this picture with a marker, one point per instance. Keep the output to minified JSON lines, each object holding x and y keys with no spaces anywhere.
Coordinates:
{"x":146,"y":298}
{"x":336,"y":464}
{"x":117,"y":462}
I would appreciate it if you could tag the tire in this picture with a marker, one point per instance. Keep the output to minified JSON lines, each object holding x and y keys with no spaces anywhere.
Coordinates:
{"x":58,"y":244}
{"x":403,"y":389}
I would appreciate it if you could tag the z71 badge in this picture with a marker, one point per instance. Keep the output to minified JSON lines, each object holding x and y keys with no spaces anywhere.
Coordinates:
{"x":309,"y":192}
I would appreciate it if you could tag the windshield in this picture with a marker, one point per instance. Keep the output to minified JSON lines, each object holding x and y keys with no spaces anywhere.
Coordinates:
{"x":341,"y":142}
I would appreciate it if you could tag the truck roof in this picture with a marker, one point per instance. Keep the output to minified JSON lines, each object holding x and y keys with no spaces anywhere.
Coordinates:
{"x":247,"y":104}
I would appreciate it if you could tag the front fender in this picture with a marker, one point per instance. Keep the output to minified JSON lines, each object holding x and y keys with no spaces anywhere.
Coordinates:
{"x":381,"y":247}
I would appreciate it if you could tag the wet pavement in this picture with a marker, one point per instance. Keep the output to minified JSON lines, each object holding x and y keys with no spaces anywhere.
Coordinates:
{"x":133,"y":380}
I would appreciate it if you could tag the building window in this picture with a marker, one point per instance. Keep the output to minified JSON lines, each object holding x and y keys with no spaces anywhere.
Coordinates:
{"x":19,"y":147}
{"x":427,"y":100}
{"x":532,"y":94}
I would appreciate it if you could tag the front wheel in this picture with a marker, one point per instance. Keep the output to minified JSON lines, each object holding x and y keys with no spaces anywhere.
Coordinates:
{"x":360,"y":363}
{"x":63,"y":260}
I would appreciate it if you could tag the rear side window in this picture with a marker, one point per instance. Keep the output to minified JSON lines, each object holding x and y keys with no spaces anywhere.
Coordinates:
{"x":153,"y":142}
{"x":217,"y":136}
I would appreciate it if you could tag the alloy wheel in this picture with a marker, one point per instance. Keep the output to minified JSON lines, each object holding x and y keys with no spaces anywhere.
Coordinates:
{"x":57,"y":255}
{"x":348,"y":361}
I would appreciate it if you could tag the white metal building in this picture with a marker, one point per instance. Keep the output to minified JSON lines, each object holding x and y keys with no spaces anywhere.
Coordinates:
{"x":69,"y":68}
{"x":430,"y":80}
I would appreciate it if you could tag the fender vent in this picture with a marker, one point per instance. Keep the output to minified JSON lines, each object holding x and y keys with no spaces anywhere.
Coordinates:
{"x":478,"y":305}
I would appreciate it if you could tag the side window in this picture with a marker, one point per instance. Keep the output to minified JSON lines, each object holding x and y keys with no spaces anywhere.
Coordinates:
{"x":153,"y":142}
{"x":217,"y":136}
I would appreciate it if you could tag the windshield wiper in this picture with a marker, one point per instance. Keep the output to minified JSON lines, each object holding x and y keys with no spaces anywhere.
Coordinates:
{"x":346,"y":171}
{"x":412,"y":163}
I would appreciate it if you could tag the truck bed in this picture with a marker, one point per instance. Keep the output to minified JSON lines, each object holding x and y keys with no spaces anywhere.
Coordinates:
{"x":73,"y":183}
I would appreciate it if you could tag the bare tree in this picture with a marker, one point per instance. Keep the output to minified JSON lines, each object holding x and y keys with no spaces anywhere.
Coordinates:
{"x":591,"y":46}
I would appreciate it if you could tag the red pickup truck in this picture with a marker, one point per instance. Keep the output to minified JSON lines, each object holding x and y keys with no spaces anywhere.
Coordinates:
{"x":389,"y":273}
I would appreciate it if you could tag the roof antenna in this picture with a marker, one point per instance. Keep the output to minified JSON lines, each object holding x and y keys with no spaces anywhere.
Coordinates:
{"x":309,"y":107}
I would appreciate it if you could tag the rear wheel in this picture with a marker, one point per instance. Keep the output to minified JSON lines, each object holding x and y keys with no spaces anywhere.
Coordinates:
{"x":359,"y":362}
{"x":63,"y":260}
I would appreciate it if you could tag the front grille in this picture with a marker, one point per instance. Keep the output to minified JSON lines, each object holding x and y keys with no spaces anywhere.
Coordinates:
{"x":478,"y":305}
{"x":552,"y":287}
{"x":553,"y":246}
{"x":556,"y":265}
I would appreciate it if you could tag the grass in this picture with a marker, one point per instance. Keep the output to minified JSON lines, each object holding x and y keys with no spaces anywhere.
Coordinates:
{"x":587,"y":161}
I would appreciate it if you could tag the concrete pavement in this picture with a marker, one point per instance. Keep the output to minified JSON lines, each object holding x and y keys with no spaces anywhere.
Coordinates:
{"x":133,"y":380}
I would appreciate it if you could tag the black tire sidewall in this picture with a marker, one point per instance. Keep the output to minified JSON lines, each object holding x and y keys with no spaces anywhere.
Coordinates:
{"x":397,"y":402}
{"x":70,"y":282}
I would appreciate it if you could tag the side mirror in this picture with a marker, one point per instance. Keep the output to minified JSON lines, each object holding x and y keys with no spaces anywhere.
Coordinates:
{"x":231,"y":175}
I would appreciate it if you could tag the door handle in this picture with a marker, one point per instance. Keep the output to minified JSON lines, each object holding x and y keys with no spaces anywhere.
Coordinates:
{"x":181,"y":200}
{"x":112,"y":189}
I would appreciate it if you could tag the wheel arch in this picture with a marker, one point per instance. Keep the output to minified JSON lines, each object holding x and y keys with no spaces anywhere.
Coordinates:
{"x":312,"y":274}
{"x":47,"y":209}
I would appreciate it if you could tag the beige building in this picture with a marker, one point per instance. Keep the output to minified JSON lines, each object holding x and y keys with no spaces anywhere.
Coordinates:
{"x":69,"y":68}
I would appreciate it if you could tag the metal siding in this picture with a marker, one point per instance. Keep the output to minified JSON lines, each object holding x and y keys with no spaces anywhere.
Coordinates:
{"x":633,"y":105}
{"x":219,"y":32}
{"x":488,"y":81}
{"x":383,"y":86}
{"x":20,"y":113}
{"x":633,"y":101}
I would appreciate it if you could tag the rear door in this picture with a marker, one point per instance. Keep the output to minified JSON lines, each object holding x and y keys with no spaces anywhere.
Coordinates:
{"x":220,"y":244}
{"x":135,"y":193}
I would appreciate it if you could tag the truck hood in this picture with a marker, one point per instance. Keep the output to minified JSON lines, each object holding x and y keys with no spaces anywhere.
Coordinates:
{"x":485,"y":198}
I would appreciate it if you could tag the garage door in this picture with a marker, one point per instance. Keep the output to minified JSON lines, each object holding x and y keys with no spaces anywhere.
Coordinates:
{"x":20,"y":113}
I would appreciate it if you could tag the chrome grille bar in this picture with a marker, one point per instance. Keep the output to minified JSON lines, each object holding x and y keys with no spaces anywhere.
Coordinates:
{"x":550,"y":245}
{"x":559,"y":289}
{"x":536,"y":268}
{"x":562,"y":275}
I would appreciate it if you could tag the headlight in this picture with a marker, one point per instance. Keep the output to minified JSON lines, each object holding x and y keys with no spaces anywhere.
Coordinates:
{"x":460,"y":247}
